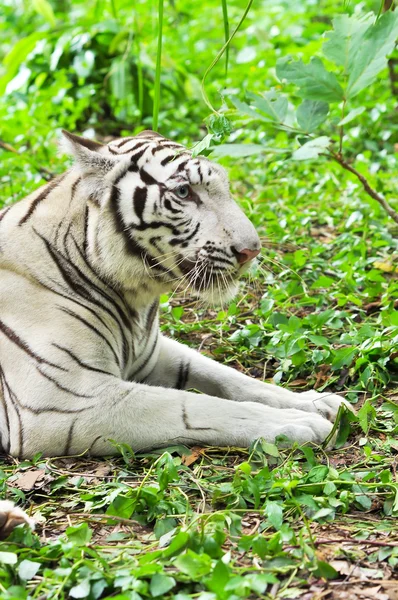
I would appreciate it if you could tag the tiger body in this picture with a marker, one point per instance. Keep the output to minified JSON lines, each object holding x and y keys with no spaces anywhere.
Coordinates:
{"x":82,"y":263}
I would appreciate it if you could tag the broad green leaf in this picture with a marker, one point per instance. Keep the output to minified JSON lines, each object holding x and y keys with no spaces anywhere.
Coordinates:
{"x":269,"y":448}
{"x":312,"y":149}
{"x":237,"y":150}
{"x":202,"y":145}
{"x":19,"y":81}
{"x":311,"y":113}
{"x":369,"y":55}
{"x":80,"y":535}
{"x":343,"y":357}
{"x":352,"y":115}
{"x":314,"y":81}
{"x":323,"y":281}
{"x":28,"y":569}
{"x":361,"y":498}
{"x":194,"y":565}
{"x":178,"y":543}
{"x":81,"y":590}
{"x":44,"y":8}
{"x":161,"y":584}
{"x":8,"y":558}
{"x":122,"y":507}
{"x":274,"y":513}
{"x":219,"y":578}
{"x":347,"y":31}
{"x":16,"y":56}
{"x":244,"y":108}
{"x":243,"y":150}
{"x":272,"y":104}
{"x":325,"y":570}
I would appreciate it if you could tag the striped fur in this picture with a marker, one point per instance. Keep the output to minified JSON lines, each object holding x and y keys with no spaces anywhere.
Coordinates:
{"x":82,"y":263}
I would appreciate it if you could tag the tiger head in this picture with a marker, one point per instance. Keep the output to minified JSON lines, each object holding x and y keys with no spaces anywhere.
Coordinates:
{"x":165,"y":218}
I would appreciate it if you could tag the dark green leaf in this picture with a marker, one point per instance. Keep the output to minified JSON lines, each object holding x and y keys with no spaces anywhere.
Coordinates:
{"x":314,"y":81}
{"x":311,"y":113}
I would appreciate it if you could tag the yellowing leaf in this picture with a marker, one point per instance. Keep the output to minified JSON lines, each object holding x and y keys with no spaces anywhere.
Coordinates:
{"x":387,"y":267}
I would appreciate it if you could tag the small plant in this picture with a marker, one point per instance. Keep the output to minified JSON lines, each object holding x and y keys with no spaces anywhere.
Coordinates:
{"x":356,"y":51}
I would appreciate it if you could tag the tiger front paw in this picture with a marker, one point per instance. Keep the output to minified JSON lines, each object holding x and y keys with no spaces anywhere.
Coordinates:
{"x":325,"y":403}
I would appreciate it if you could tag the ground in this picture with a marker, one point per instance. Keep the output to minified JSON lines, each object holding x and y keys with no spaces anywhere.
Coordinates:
{"x":263,"y":522}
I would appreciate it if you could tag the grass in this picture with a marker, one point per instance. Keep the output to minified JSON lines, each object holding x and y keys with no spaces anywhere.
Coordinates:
{"x":262,"y":522}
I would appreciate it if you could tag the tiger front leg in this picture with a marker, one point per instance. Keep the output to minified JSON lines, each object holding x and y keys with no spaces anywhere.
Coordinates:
{"x":148,"y":417}
{"x":181,"y":367}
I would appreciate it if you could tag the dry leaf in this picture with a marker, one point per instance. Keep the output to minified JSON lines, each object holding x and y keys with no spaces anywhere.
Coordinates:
{"x":387,"y":267}
{"x":189,"y":459}
{"x":28,"y":480}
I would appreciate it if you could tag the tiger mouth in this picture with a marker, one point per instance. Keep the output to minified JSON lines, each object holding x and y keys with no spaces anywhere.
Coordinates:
{"x":209,"y":281}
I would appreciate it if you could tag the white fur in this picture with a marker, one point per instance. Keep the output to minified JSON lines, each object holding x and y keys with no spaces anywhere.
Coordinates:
{"x":43,"y":387}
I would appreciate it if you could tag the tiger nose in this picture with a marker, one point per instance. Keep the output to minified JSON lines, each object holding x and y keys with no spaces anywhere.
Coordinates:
{"x":243,"y":256}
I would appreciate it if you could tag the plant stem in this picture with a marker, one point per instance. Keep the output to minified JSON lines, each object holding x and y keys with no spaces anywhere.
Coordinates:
{"x":114,"y":10}
{"x":226,"y":32}
{"x":367,"y":187}
{"x":156,"y":99}
{"x":342,"y":128}
{"x":219,"y":55}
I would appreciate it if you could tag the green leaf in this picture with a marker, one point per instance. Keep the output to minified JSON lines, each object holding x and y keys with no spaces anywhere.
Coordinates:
{"x":311,"y":113}
{"x":161,"y":584}
{"x":343,"y":357}
{"x":344,"y":428}
{"x":244,"y":108}
{"x":122,"y":507}
{"x":370,"y":51}
{"x":352,"y":115}
{"x":44,"y":9}
{"x":219,"y":125}
{"x":81,"y":590}
{"x":314,"y":81}
{"x":80,"y":535}
{"x":366,"y":416}
{"x":8,"y":558}
{"x":237,"y":150}
{"x":325,"y":570}
{"x":312,"y":149}
{"x":177,"y":544}
{"x":203,"y":145}
{"x":194,"y":565}
{"x":219,"y":578}
{"x":272,"y":104}
{"x":322,"y":282}
{"x":347,"y":33}
{"x":28,"y":569}
{"x":274,"y":513}
{"x":16,"y":56}
{"x":269,"y":448}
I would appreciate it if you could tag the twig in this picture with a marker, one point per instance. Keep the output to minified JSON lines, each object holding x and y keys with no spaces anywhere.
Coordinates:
{"x":366,"y":185}
{"x":321,"y":542}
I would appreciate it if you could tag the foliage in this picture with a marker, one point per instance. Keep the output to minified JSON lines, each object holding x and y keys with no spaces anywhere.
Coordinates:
{"x":304,"y":87}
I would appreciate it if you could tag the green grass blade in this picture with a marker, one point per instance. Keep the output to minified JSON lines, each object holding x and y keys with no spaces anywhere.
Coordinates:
{"x":226,"y":32}
{"x":219,"y":55}
{"x":156,"y":99}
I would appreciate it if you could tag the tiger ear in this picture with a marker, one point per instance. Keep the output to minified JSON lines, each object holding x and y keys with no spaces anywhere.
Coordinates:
{"x":87,"y":154}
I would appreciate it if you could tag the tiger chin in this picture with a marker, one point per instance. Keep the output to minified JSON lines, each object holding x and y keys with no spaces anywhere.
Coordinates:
{"x":83,"y":261}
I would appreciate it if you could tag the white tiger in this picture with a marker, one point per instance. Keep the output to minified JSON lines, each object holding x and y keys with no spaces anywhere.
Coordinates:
{"x":82,"y":263}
